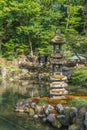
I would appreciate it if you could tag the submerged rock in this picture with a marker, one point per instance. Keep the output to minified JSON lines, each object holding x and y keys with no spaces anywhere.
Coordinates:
{"x":74,"y":127}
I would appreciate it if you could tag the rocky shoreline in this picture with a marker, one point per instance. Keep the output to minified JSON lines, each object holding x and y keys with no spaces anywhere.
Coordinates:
{"x":58,"y":115}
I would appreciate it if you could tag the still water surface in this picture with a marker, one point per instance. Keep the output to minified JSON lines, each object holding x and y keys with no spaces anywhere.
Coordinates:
{"x":9,"y":120}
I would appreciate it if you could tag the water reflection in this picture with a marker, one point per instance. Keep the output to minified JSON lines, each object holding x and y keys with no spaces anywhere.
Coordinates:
{"x":4,"y":83}
{"x":28,"y":87}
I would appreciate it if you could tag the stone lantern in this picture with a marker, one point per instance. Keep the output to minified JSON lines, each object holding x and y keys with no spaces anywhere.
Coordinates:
{"x":58,"y":80}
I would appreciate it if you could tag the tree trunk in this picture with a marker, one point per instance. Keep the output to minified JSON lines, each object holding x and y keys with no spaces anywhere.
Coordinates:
{"x":30,"y":43}
{"x":68,"y":16}
{"x":0,"y":47}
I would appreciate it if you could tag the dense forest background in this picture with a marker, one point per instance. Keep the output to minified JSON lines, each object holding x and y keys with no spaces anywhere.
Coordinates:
{"x":27,"y":26}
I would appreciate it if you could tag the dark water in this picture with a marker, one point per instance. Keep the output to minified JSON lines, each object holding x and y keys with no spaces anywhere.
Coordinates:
{"x":6,"y":125}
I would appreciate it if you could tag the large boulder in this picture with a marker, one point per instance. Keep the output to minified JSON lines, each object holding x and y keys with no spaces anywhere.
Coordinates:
{"x":60,"y":108}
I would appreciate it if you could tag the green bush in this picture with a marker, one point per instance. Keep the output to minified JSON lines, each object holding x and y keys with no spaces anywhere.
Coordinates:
{"x":42,"y":102}
{"x":79,"y":76}
{"x":77,"y":102}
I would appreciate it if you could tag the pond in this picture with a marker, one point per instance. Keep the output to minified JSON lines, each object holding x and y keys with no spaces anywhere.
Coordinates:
{"x":10,"y":93}
{"x":21,"y":124}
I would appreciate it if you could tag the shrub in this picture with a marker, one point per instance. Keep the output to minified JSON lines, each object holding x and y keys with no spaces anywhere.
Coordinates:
{"x":79,"y":76}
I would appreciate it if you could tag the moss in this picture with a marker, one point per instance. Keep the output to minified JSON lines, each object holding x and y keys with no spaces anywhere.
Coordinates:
{"x":77,"y":102}
{"x":58,"y":76}
{"x":42,"y":102}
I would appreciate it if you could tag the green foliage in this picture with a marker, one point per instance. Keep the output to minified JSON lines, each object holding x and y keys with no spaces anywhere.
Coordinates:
{"x":42,"y":102}
{"x":77,"y":102}
{"x":29,"y":25}
{"x":79,"y":76}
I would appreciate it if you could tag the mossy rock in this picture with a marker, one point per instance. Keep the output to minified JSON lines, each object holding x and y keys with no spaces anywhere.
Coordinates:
{"x":74,"y":127}
{"x":56,"y":123}
{"x":30,"y":111}
{"x":58,"y":77}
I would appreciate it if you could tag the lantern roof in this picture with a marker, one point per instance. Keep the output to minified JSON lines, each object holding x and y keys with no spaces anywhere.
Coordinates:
{"x":57,"y":38}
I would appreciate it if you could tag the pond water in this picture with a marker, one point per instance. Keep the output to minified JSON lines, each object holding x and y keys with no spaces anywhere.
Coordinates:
{"x":29,"y":87}
{"x":8,"y":124}
{"x":10,"y":93}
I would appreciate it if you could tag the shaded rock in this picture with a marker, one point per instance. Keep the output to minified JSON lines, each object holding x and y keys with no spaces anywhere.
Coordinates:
{"x":62,"y":119}
{"x":44,"y":119}
{"x":73,"y":114}
{"x":19,"y":104}
{"x":66,"y":113}
{"x":82,"y":110}
{"x":85,"y":121}
{"x":73,"y":111}
{"x":27,"y":102}
{"x":81,"y":116}
{"x":56,"y":123}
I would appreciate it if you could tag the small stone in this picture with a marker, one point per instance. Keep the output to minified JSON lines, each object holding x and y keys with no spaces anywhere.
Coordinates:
{"x":44,"y":119}
{"x":35,"y":116}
